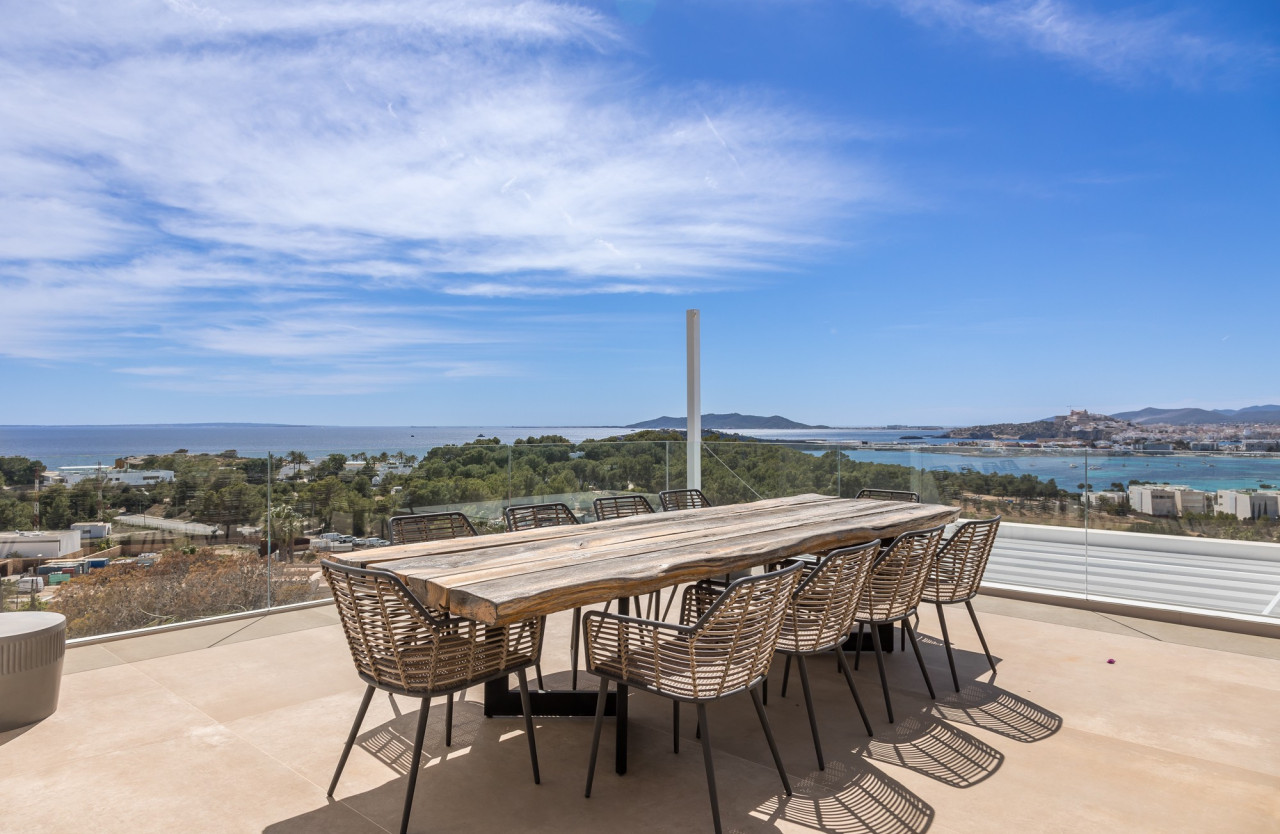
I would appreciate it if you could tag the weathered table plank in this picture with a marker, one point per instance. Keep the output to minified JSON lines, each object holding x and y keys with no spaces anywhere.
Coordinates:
{"x":503,"y":578}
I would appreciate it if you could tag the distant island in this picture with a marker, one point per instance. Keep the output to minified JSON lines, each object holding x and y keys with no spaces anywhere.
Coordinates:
{"x":725,"y":421}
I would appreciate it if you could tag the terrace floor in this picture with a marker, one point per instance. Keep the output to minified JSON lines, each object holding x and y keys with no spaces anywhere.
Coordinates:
{"x":236,"y":726}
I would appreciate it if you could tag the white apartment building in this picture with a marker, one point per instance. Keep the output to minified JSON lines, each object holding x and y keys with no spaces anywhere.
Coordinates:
{"x":71,"y":475}
{"x":1095,"y":498}
{"x":1246,"y":504}
{"x":1169,"y":500}
{"x":93,"y":529}
{"x":33,"y":544}
{"x":1149,"y":499}
{"x":1189,"y":500}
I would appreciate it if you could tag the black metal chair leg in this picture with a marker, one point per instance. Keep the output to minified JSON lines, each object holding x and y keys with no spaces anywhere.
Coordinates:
{"x":786,"y":675}
{"x":675,"y":726}
{"x":768,"y":736}
{"x":915,"y":644}
{"x":808,"y":703}
{"x":884,"y":680}
{"x":448,"y":720}
{"x":537,"y":671}
{"x":351,"y":739}
{"x":946,"y":641}
{"x":666,"y":612}
{"x":528,"y":723}
{"x":574,"y":637}
{"x":595,"y":733}
{"x":973,"y":615}
{"x":857,"y":647}
{"x":706,"y":760}
{"x":848,"y":676}
{"x":415,"y":763}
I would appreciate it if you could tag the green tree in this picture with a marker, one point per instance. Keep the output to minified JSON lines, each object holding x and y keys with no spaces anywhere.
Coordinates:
{"x":55,"y":508}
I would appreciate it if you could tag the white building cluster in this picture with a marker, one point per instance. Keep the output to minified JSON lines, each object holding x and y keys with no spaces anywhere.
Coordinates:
{"x":71,"y":475}
{"x":1172,"y":500}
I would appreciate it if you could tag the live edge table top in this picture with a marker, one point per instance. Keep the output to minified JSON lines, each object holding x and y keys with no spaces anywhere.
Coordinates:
{"x":503,"y":578}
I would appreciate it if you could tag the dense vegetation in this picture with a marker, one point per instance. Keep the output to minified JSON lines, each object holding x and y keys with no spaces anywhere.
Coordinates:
{"x":339,"y":493}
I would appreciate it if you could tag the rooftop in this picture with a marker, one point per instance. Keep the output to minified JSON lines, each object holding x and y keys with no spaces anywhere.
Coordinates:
{"x":237,"y":726}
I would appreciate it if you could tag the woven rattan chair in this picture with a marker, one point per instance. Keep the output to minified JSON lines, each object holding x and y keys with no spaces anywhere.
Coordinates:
{"x":430,"y":527}
{"x":892,"y":593}
{"x":889,"y":495}
{"x":819,"y":619}
{"x":434,"y":527}
{"x":956,"y":575}
{"x":402,"y":647}
{"x":682,"y":499}
{"x":726,"y":651}
{"x":621,"y":506}
{"x":533,"y":516}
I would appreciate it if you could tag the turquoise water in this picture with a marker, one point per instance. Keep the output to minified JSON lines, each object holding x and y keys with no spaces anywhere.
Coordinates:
{"x":1206,"y":472}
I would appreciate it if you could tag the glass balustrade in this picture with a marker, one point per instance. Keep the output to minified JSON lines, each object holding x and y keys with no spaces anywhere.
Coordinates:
{"x":168,"y":538}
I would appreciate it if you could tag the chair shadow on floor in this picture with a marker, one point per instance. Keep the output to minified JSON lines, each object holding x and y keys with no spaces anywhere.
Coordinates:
{"x":997,"y":710}
{"x":851,"y":798}
{"x":935,"y":749}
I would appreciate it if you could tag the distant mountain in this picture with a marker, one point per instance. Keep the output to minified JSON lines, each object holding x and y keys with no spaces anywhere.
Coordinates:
{"x":1201,"y":416}
{"x":725,"y":421}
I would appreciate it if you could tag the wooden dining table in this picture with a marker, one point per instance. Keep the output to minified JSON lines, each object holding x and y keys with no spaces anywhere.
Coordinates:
{"x":501,"y":579}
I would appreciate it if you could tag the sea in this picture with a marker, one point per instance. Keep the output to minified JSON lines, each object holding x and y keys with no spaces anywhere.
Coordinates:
{"x":58,"y":446}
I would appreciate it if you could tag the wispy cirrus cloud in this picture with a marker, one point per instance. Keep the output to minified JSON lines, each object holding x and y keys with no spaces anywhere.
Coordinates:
{"x":1128,"y":46}
{"x":238,"y":180}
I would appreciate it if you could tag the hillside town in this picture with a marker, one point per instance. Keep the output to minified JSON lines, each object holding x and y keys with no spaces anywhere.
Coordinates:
{"x":1084,"y":429}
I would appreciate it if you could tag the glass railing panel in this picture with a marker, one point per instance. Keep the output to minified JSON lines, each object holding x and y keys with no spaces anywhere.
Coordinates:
{"x":1195,"y":530}
{"x":121,"y":544}
{"x":1189,"y":529}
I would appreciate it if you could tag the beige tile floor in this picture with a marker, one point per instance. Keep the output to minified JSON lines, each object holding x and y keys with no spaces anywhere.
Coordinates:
{"x":237,"y":726}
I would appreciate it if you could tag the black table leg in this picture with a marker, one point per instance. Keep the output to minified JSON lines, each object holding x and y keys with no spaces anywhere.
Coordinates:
{"x":501,"y":699}
{"x":620,"y":709}
{"x":886,"y":639}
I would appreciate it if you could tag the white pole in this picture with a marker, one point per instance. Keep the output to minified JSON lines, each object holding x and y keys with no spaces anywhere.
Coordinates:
{"x":693,"y":376}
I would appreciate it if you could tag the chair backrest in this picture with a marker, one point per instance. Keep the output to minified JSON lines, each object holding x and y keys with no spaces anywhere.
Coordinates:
{"x":889,"y":495}
{"x":682,"y":499}
{"x":731,"y":645}
{"x":896,"y":582}
{"x":621,"y":506}
{"x":430,"y":527}
{"x":400,"y":645}
{"x":961,"y":562}
{"x":825,"y":602}
{"x":380,"y":618}
{"x":529,"y":516}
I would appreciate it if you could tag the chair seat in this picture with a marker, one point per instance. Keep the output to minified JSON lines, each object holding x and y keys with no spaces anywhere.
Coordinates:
{"x":456,"y":661}
{"x":805,"y":633}
{"x":689,"y":682}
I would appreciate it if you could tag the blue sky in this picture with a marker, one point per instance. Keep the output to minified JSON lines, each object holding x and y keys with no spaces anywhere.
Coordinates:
{"x":453,"y":213}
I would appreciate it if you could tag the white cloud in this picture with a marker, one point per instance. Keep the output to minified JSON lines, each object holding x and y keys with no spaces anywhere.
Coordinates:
{"x":210,"y":178}
{"x":1126,"y":46}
